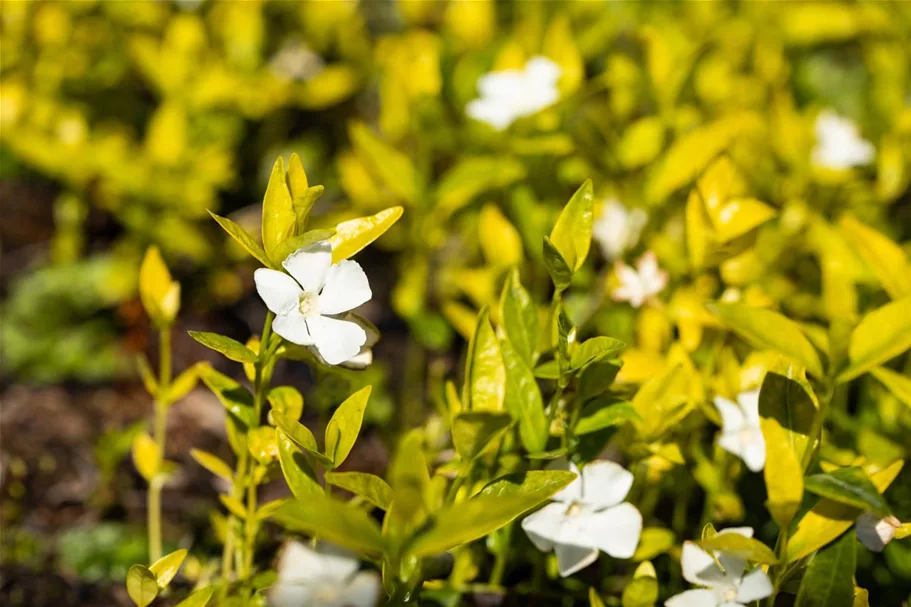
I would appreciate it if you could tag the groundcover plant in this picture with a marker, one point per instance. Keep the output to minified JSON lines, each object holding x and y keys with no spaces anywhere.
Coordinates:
{"x":445,"y":302}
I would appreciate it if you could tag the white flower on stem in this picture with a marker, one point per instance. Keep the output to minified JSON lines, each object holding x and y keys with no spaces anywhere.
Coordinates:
{"x":587,"y":517}
{"x":617,"y":229}
{"x":723,"y":577}
{"x":325,"y":577}
{"x":512,"y":94}
{"x":740,"y":432}
{"x":839,"y":145}
{"x":874,"y":532}
{"x":306,"y":303}
{"x":639,"y":285}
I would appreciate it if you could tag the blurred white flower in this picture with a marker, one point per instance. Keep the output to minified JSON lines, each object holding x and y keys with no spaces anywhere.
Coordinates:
{"x":512,"y":94}
{"x":839,"y":145}
{"x":740,"y":433}
{"x":295,"y":61}
{"x":305,"y":306}
{"x":874,"y":532}
{"x":587,"y":516}
{"x":617,"y":229}
{"x":726,"y":585}
{"x":325,"y":577}
{"x":639,"y":285}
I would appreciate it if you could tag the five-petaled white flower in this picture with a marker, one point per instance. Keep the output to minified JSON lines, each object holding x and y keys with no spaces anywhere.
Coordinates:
{"x":723,"y":574}
{"x":512,"y":94}
{"x":325,"y":577}
{"x":587,"y":516}
{"x":839,"y":145}
{"x":639,"y":285}
{"x":874,"y":532}
{"x":617,"y":229}
{"x":305,"y":306}
{"x":740,"y":432}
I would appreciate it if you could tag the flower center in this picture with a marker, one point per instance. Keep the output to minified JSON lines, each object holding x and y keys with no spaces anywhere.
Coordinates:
{"x":730,"y":594}
{"x":746,"y":436}
{"x":308,"y":304}
{"x":325,"y":595}
{"x":575,"y":509}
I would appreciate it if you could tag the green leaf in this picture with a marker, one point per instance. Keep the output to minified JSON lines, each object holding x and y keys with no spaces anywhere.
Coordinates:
{"x":829,"y":578}
{"x":301,"y":436}
{"x":828,"y":519}
{"x":334,"y":521}
{"x":303,"y":203}
{"x":213,"y":464}
{"x":235,"y":398}
{"x":394,"y":169}
{"x":229,"y":348}
{"x":167,"y":567}
{"x":523,"y":400}
{"x":472,"y":176}
{"x":293,"y":243}
{"x":768,"y":329}
{"x":147,"y":375}
{"x":370,"y":487}
{"x":496,"y":505}
{"x":560,"y":272}
{"x":287,"y":401}
{"x":593,"y":599}
{"x":244,"y":239}
{"x":898,"y":384}
{"x":485,"y":373}
{"x":519,"y":317}
{"x":881,"y":335}
{"x":410,"y":480}
{"x":182,"y":385}
{"x":297,"y":471}
{"x":234,"y":506}
{"x":142,"y":586}
{"x":473,"y":431}
{"x":885,"y":258}
{"x":652,"y":542}
{"x":747,"y":548}
{"x":642,"y":590}
{"x":199,"y":598}
{"x":604,"y":413}
{"x":595,"y":348}
{"x":597,"y":378}
{"x":353,"y":235}
{"x":572,"y":234}
{"x":279,"y":219}
{"x":850,"y":486}
{"x":345,"y":425}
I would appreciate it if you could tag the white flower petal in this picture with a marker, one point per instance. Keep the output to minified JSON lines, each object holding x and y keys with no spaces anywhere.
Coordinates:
{"x":754,"y":586}
{"x":543,"y":70}
{"x":346,"y":288}
{"x":753,"y":449}
{"x":749,"y":404}
{"x":692,"y":598}
{"x":363,"y":590}
{"x":336,"y":340}
{"x":875,"y":533}
{"x":278,"y":290}
{"x":605,"y":483}
{"x":700,"y":568}
{"x":732,"y":416}
{"x":744,"y":531}
{"x":309,"y":265}
{"x":543,"y":527}
{"x":293,"y":327}
{"x":573,"y":491}
{"x":731,"y":443}
{"x":571,"y":559}
{"x":336,"y":564}
{"x":615,"y":530}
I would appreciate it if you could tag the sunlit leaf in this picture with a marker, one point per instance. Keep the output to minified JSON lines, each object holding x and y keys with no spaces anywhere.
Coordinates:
{"x":159,"y":294}
{"x":279,"y":218}
{"x":595,"y":348}
{"x":229,"y":348}
{"x":146,"y":456}
{"x":485,"y":373}
{"x":301,"y":436}
{"x":345,"y":425}
{"x":371,"y":488}
{"x":199,"y":598}
{"x":898,"y":384}
{"x":500,"y":242}
{"x":394,"y":168}
{"x":850,"y":486}
{"x":334,"y":521}
{"x":572,"y":234}
{"x":353,"y":235}
{"x":142,"y":586}
{"x":473,"y":431}
{"x":167,"y":567}
{"x":604,"y":413}
{"x":559,"y":270}
{"x":523,"y":400}
{"x":213,"y":464}
{"x":747,"y":548}
{"x":287,"y":401}
{"x":881,"y":335}
{"x":885,"y":258}
{"x":244,"y":239}
{"x":297,"y":471}
{"x":829,"y":578}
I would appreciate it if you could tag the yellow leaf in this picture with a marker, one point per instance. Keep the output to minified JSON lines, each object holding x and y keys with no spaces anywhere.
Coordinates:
{"x":560,"y":45}
{"x":146,"y":456}
{"x":353,"y":235}
{"x":641,"y":142}
{"x":572,"y":234}
{"x":500,"y":242}
{"x":885,"y":258}
{"x":883,"y":334}
{"x":278,"y":217}
{"x":485,"y":373}
{"x":159,"y":294}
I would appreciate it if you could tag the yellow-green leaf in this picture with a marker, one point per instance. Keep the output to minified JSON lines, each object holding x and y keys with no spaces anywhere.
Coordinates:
{"x":767,"y":329}
{"x":519,"y":317}
{"x":213,"y":464}
{"x":278,"y":216}
{"x":472,"y":176}
{"x":147,"y":375}
{"x":394,"y":168}
{"x":229,"y":348}
{"x":851,"y":486}
{"x":297,"y":471}
{"x":244,"y":239}
{"x":146,"y":456}
{"x":898,"y":384}
{"x":370,"y":487}
{"x":301,"y":436}
{"x":353,"y":235}
{"x":641,"y":142}
{"x":334,"y":521}
{"x":747,"y":548}
{"x":829,"y":578}
{"x":159,"y":294}
{"x":572,"y":234}
{"x":652,"y":542}
{"x":167,"y":567}
{"x":182,"y":385}
{"x":523,"y":400}
{"x":287,"y":401}
{"x":199,"y":598}
{"x":485,"y":373}
{"x":142,"y":586}
{"x":473,"y":431}
{"x":881,"y":335}
{"x":500,"y":242}
{"x":345,"y":425}
{"x":885,"y":258}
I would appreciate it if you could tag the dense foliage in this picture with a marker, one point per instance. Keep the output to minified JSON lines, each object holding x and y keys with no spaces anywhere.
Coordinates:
{"x":625,"y":288}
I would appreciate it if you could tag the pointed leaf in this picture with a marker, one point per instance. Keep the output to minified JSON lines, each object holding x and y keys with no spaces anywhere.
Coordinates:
{"x":850,"y":486}
{"x":301,"y":436}
{"x":345,"y":425}
{"x":473,"y":431}
{"x":159,"y":294}
{"x":485,"y":374}
{"x":829,"y":578}
{"x":297,"y":471}
{"x":370,"y":487}
{"x":604,"y":413}
{"x":278,"y":212}
{"x":199,"y":598}
{"x":334,"y":521}
{"x":519,"y":317}
{"x":883,"y":334}
{"x":560,"y":272}
{"x":885,"y":258}
{"x":213,"y":464}
{"x":747,"y":548}
{"x":595,"y":348}
{"x":353,"y":235}
{"x":141,"y":585}
{"x":230,"y":348}
{"x":167,"y":567}
{"x":182,"y":385}
{"x":523,"y":400}
{"x":146,"y":456}
{"x":500,"y":241}
{"x":147,"y":375}
{"x":572,"y":234}
{"x":291,"y":244}
{"x":244,"y":239}
{"x":899,"y":385}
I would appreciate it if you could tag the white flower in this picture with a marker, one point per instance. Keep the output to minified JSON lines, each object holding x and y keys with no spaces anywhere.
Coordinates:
{"x":325,"y":577}
{"x":839,"y":145}
{"x":639,"y":285}
{"x":587,"y":516}
{"x":512,"y":94}
{"x":305,"y":305}
{"x":875,"y":533}
{"x":295,"y":61}
{"x":727,"y":586}
{"x":617,"y":229}
{"x":740,"y":433}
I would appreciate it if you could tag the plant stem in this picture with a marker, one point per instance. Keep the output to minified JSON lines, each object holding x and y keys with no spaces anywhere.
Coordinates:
{"x":160,"y":436}
{"x":499,"y":564}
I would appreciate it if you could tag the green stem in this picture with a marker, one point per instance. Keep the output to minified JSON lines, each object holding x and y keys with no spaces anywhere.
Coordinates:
{"x":499,"y":564}
{"x":160,"y":436}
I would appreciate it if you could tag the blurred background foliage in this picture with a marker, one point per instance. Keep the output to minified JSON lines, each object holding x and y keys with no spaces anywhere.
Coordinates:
{"x":122,"y":123}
